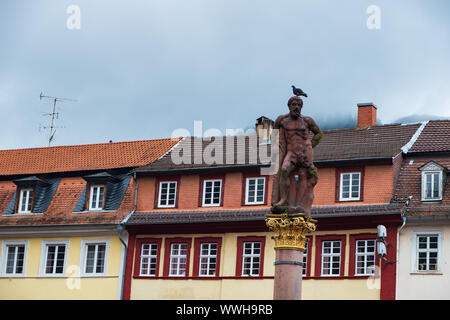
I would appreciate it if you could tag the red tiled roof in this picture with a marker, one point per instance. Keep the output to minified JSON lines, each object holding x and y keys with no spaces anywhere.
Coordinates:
{"x":227,"y":215}
{"x":374,"y":142}
{"x":410,"y":183}
{"x":61,"y":208}
{"x":435,"y":137}
{"x":83,"y":157}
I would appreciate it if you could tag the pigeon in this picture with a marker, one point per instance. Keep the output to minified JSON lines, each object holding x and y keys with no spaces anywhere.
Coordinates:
{"x":298,"y":91}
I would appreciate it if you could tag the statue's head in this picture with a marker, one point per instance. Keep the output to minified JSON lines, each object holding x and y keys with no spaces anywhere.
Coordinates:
{"x":295,"y":105}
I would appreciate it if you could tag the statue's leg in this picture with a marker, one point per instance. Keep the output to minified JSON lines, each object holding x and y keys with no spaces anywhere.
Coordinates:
{"x":311,"y":181}
{"x":284,"y":181}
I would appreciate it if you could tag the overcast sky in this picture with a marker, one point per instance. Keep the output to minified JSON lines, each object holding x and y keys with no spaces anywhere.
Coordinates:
{"x":141,"y":69}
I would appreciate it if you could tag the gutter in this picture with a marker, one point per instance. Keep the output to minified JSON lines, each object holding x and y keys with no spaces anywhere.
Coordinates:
{"x":243,"y":166}
{"x":121,"y":229}
{"x":353,"y":159}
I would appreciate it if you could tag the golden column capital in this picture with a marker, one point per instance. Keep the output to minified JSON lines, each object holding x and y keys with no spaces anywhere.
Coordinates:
{"x":290,"y":230}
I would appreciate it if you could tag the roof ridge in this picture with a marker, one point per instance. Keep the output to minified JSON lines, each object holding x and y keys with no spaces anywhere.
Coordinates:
{"x":92,"y":144}
{"x":414,"y":138}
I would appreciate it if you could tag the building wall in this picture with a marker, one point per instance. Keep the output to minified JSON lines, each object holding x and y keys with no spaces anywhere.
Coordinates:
{"x":69,"y":285}
{"x":230,"y":286}
{"x":378,"y":186}
{"x":428,"y":285}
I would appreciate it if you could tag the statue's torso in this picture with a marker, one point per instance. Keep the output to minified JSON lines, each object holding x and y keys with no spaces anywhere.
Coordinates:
{"x":296,"y":132}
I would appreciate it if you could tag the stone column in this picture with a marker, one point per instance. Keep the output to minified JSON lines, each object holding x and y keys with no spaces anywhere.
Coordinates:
{"x":290,"y":236}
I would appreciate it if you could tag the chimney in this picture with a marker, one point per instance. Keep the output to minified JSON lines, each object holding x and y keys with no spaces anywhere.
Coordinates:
{"x":367,"y":115}
{"x":264,"y":128}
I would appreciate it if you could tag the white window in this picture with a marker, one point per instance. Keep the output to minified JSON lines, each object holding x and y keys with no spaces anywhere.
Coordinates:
{"x":431,"y":185}
{"x":365,"y":257}
{"x":331,"y":258}
{"x":427,"y":252}
{"x":208,"y":259}
{"x":254,"y":191}
{"x":149,"y":258}
{"x":350,"y":186}
{"x":212,"y":192}
{"x":96,"y":197}
{"x":305,"y":259}
{"x":94,"y":256}
{"x":25,"y":200}
{"x":13,"y":258}
{"x":53,"y":257}
{"x":251,"y":258}
{"x":178,"y":259}
{"x":167,"y":194}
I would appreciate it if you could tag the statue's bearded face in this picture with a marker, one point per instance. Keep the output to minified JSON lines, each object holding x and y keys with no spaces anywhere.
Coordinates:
{"x":295,"y":108}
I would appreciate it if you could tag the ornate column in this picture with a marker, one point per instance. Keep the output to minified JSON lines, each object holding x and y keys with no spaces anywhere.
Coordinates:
{"x":290,"y":232}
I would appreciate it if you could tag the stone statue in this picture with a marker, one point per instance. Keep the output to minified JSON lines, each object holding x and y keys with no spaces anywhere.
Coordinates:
{"x":296,"y":177}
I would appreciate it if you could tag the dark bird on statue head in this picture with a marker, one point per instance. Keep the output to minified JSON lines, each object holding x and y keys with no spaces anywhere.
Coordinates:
{"x":298,"y":91}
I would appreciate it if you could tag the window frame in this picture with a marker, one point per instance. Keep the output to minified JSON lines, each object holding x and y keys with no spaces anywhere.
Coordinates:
{"x":159,"y":183}
{"x":91,"y":193}
{"x":29,"y":202}
{"x":424,"y":185}
{"x":138,"y":257}
{"x":414,"y":251}
{"x":203,"y":193}
{"x":4,"y":258}
{"x":44,"y":254}
{"x":83,"y":257}
{"x":341,"y":191}
{"x":352,"y":258}
{"x":318,"y":256}
{"x":240,"y":255}
{"x":197,"y":255}
{"x":339,"y":186}
{"x":306,"y":269}
{"x":246,"y":190}
{"x":168,"y":258}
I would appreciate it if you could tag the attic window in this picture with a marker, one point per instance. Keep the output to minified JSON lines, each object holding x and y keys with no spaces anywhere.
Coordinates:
{"x":96,"y":197}
{"x":25,"y":200}
{"x":26,"y":193}
{"x":432,"y":182}
{"x":103,"y":192}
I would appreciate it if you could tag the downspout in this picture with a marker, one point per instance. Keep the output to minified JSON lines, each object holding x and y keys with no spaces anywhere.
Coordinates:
{"x":121,"y":228}
{"x":398,"y":241}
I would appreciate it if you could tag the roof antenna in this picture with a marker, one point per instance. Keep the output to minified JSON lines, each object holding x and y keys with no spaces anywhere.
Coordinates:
{"x":53,"y":115}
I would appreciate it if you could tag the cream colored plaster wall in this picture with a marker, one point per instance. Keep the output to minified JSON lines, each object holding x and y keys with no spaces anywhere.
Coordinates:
{"x":429,"y":285}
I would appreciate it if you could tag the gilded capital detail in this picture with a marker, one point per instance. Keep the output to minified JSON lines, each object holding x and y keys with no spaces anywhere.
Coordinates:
{"x":290,"y":230}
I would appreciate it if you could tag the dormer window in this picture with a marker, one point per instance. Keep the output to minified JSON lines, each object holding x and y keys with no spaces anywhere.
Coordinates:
{"x":103,"y":192}
{"x":432,"y":181}
{"x":96,"y":197}
{"x":29,"y":189}
{"x":25,"y":204}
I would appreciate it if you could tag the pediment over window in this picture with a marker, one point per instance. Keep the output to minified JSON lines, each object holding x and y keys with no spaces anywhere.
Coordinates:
{"x":432,"y":166}
{"x":433,"y":181}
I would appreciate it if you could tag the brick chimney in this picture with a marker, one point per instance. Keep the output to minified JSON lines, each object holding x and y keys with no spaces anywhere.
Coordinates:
{"x":264,"y":128}
{"x":367,"y":115}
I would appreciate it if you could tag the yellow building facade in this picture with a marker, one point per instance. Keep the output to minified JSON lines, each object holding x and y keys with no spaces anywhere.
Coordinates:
{"x":74,"y":282}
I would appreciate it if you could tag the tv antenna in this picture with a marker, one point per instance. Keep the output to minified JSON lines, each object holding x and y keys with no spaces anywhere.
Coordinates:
{"x":54,"y":115}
